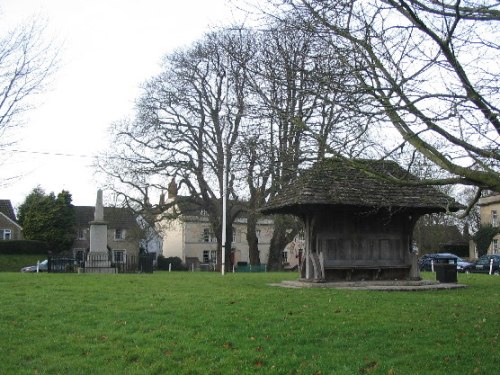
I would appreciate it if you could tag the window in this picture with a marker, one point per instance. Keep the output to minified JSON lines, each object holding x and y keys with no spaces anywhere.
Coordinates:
{"x":495,"y":246}
{"x":284,"y":254}
{"x":81,"y":234}
{"x":119,"y":256}
{"x":494,"y":218}
{"x":209,"y":256}
{"x":208,"y":235}
{"x":234,"y":234}
{"x":301,"y":252}
{"x":5,"y":234}
{"x":119,"y":234}
{"x":79,"y":255}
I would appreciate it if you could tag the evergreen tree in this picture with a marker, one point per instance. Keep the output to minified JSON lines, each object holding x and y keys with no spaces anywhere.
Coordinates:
{"x":48,"y":218}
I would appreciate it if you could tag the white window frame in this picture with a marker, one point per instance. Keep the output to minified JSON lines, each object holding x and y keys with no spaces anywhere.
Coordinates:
{"x":494,"y":218}
{"x":494,"y":246}
{"x":119,"y":234}
{"x":79,"y":250}
{"x":210,"y":256}
{"x":208,"y":235}
{"x":81,"y":234}
{"x":123,"y":256}
{"x":6,"y":234}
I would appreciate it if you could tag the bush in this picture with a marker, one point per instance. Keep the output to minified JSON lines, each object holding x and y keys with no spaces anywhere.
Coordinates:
{"x":483,"y":238}
{"x":176,"y":262}
{"x":23,"y":247}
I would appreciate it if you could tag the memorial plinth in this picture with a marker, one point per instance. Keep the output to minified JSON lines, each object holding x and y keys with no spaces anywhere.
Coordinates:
{"x":98,"y":259}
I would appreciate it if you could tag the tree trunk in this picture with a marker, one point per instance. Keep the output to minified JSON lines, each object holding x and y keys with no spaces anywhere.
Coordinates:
{"x":253,"y":241}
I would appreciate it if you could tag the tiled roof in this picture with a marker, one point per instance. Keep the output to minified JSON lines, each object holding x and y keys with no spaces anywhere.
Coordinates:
{"x":190,"y":207}
{"x":7,"y":210}
{"x":337,"y":182}
{"x":116,"y":217}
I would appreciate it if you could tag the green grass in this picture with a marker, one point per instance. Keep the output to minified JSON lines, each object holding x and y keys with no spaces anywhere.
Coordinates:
{"x":203,"y":323}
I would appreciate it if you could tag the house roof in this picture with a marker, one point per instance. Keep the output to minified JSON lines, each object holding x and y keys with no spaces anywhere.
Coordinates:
{"x":191,"y":206}
{"x":341,"y":183}
{"x":489,"y":200}
{"x":7,"y":209}
{"x":116,"y":217}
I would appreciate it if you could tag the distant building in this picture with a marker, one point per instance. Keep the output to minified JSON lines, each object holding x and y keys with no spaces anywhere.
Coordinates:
{"x":9,"y":227}
{"x":293,"y":252}
{"x":124,"y":234}
{"x":489,"y":210}
{"x":190,"y":237}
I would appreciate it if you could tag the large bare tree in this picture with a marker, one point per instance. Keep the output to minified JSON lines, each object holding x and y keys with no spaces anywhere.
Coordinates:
{"x":26,"y":63}
{"x":187,"y":122}
{"x":303,"y":116}
{"x":429,"y":71}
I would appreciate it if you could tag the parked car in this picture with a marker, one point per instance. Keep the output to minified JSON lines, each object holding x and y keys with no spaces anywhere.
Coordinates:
{"x":56,"y":265}
{"x":425,"y":261}
{"x":42,"y":267}
{"x":482,"y":265}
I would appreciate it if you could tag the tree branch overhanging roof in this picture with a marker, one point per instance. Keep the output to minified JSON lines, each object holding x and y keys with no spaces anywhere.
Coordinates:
{"x":360,"y":183}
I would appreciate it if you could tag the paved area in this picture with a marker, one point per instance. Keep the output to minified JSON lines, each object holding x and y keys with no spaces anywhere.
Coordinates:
{"x":396,"y":285}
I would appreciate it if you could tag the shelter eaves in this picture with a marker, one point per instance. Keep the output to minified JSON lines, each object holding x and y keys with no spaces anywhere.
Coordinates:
{"x":361,"y":183}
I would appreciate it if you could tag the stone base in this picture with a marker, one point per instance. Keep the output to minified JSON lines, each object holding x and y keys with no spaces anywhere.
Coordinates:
{"x":98,"y":259}
{"x":100,"y":270}
{"x":403,"y":285}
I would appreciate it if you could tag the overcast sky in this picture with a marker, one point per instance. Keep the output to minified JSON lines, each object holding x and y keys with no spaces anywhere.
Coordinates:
{"x":109,"y":48}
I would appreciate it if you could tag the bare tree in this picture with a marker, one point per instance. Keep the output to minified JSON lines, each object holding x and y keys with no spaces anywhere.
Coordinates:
{"x":302,"y":116}
{"x":428,"y":69}
{"x":26,"y":63}
{"x":187,"y":122}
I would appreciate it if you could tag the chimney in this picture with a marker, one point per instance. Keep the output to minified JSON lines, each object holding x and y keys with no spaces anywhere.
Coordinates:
{"x":172,"y":190}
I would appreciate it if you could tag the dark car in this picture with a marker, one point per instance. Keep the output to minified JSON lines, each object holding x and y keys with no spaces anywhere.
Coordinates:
{"x":56,"y":265}
{"x":425,"y":262}
{"x":482,"y":265}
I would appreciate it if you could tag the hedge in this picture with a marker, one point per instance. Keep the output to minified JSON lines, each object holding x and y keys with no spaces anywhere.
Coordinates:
{"x":23,"y":247}
{"x":177,"y":265}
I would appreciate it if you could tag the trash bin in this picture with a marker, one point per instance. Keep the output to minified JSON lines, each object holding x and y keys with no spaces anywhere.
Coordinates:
{"x":146,"y":262}
{"x":446,"y":270}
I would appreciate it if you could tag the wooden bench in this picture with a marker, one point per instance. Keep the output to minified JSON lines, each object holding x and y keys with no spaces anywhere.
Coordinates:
{"x":366,"y":271}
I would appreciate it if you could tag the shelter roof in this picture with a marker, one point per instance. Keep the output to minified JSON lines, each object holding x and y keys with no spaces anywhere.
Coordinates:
{"x":358,"y":183}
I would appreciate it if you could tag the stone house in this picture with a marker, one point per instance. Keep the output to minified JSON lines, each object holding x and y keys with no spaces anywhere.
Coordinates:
{"x":357,"y":224}
{"x":189,"y":236}
{"x":489,"y":211}
{"x":293,"y":252}
{"x":9,"y":227}
{"x":124,"y":234}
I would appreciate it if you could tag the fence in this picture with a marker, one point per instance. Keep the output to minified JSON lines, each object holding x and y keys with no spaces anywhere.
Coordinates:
{"x":102,"y":263}
{"x":245,"y":267}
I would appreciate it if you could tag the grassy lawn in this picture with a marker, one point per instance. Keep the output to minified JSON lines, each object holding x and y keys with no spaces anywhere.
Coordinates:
{"x":203,"y":323}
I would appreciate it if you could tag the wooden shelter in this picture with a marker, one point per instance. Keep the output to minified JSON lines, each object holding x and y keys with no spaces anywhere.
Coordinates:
{"x":358,"y":225}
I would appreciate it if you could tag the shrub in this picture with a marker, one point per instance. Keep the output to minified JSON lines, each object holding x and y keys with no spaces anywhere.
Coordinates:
{"x":176,"y":262}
